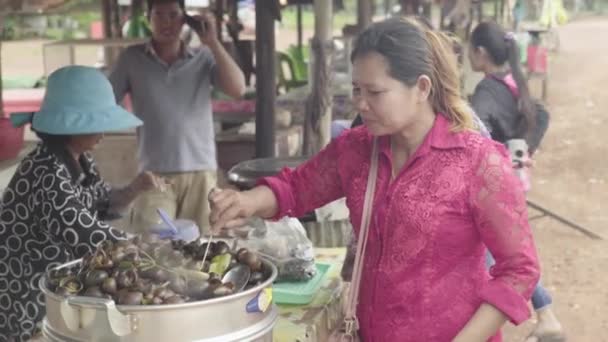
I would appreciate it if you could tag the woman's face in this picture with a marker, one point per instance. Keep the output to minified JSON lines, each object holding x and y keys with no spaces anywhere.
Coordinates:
{"x":477,"y":58}
{"x":386,"y":105}
{"x":85,"y":142}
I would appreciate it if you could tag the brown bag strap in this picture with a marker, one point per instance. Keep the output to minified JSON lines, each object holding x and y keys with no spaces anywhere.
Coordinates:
{"x":350,"y":318}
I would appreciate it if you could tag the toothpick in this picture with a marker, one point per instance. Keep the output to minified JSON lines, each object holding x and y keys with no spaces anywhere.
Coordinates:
{"x":207,"y":248}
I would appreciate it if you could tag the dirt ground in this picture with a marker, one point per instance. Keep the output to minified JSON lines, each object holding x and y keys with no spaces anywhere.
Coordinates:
{"x":571,"y":175}
{"x":571,"y":179}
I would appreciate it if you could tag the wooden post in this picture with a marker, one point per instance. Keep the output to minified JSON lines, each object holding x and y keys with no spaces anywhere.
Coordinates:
{"x":116,"y":27}
{"x":299,"y":21}
{"x":324,"y":30}
{"x":364,"y":13}
{"x":106,"y":20}
{"x":219,"y":17}
{"x":317,"y":129}
{"x":265,"y":82}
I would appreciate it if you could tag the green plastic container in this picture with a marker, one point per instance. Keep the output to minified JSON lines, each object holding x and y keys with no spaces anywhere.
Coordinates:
{"x":300,"y":293}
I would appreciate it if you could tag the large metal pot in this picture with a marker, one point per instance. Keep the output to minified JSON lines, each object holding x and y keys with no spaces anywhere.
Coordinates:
{"x":223,"y":319}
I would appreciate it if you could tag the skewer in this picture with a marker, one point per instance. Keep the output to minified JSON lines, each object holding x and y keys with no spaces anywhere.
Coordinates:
{"x":210,"y":232}
{"x":207,"y":248}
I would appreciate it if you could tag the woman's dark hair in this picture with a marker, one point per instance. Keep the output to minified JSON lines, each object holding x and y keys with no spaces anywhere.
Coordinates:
{"x":151,"y":4}
{"x":58,"y":144}
{"x":53,"y":140}
{"x":501,"y":48}
{"x":412,"y":50}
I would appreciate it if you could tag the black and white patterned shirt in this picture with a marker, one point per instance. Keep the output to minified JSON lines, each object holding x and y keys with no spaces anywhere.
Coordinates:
{"x":50,"y":213}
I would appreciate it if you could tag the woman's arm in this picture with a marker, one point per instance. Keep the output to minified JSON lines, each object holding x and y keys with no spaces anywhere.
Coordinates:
{"x":68,"y":219}
{"x":230,"y":77}
{"x":290,"y":193}
{"x":120,"y":199}
{"x":486,"y":107}
{"x":500,"y":214}
{"x":484,"y":324}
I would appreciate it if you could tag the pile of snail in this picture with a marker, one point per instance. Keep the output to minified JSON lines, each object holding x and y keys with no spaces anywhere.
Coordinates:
{"x":150,"y":271}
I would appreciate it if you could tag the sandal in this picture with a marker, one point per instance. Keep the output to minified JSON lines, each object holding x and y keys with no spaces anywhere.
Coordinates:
{"x":550,"y":337}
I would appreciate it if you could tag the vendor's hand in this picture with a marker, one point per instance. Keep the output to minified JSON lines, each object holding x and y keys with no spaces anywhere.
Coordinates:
{"x":526,"y":163}
{"x":147,"y":181}
{"x":229,"y":209}
{"x":208,"y":35}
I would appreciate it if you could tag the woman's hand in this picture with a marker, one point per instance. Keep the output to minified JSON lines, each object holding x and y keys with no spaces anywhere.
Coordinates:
{"x":147,"y":181}
{"x":120,"y":199}
{"x":485,"y":323}
{"x":526,"y":163}
{"x":231,"y":209}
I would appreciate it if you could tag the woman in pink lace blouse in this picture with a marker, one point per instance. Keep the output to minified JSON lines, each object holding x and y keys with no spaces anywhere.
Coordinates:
{"x":444,"y":193}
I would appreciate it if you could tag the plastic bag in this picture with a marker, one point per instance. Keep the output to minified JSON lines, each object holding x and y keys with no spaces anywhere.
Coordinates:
{"x":285,"y":244}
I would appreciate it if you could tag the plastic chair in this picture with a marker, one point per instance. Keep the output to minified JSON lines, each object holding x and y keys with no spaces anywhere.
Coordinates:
{"x":287,"y":82}
{"x":299,"y":56}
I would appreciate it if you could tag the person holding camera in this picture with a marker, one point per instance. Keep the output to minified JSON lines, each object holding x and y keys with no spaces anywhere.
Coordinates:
{"x":503,"y":102}
{"x":170,"y":87}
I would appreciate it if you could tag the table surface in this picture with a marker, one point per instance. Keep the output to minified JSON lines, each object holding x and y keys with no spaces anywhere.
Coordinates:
{"x":314,"y":321}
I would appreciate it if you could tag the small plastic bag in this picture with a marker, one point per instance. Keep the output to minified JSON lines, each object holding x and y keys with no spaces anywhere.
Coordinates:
{"x":285,"y":244}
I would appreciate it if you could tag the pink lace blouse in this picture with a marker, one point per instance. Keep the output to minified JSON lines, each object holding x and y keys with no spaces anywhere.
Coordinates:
{"x":424,"y":269}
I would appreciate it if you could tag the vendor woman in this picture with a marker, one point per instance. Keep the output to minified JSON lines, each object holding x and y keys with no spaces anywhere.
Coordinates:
{"x":54,"y":207}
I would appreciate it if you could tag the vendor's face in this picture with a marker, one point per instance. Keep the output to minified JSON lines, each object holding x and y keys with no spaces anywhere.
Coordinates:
{"x":85,"y":142}
{"x":166,"y":21}
{"x":386,"y":105}
{"x":477,"y":58}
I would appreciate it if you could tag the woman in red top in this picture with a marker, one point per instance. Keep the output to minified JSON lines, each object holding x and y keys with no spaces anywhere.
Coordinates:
{"x":443,"y":194}
{"x":503,"y":102}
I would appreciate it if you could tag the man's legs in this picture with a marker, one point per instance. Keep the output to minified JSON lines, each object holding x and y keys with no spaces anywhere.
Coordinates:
{"x":193,"y":203}
{"x":144,"y":214}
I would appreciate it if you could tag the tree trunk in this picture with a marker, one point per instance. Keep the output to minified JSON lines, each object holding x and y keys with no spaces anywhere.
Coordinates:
{"x":317,"y":129}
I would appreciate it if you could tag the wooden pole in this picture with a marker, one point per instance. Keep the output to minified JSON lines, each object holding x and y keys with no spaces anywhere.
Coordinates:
{"x":299,"y":20}
{"x":116,"y":27}
{"x":219,"y":17}
{"x":324,"y":30}
{"x":364,"y":13}
{"x":265,"y":82}
{"x":317,"y":129}
{"x":106,"y":20}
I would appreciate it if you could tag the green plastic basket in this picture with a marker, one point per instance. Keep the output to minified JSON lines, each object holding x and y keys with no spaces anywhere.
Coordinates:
{"x":300,"y":292}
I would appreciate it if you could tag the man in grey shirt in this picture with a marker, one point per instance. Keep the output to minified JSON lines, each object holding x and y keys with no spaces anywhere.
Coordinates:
{"x":170,"y":87}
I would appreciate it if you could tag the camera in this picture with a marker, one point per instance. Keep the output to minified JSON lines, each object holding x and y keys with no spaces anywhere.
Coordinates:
{"x":197,"y":25}
{"x":518,"y":148}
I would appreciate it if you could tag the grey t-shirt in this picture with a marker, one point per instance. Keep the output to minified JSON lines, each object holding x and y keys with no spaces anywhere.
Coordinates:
{"x":174,"y":102}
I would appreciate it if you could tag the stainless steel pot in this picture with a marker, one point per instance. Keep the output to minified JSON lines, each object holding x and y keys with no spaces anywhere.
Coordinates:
{"x":223,"y":319}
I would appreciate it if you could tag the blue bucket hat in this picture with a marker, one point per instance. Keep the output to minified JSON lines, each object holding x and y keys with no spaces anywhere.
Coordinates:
{"x":78,"y":100}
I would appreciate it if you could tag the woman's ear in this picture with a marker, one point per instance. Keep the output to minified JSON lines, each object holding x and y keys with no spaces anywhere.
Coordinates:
{"x":481,"y":53}
{"x":423,"y":88}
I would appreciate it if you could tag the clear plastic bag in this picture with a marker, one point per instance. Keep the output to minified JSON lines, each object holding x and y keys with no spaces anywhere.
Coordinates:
{"x":284,"y":243}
